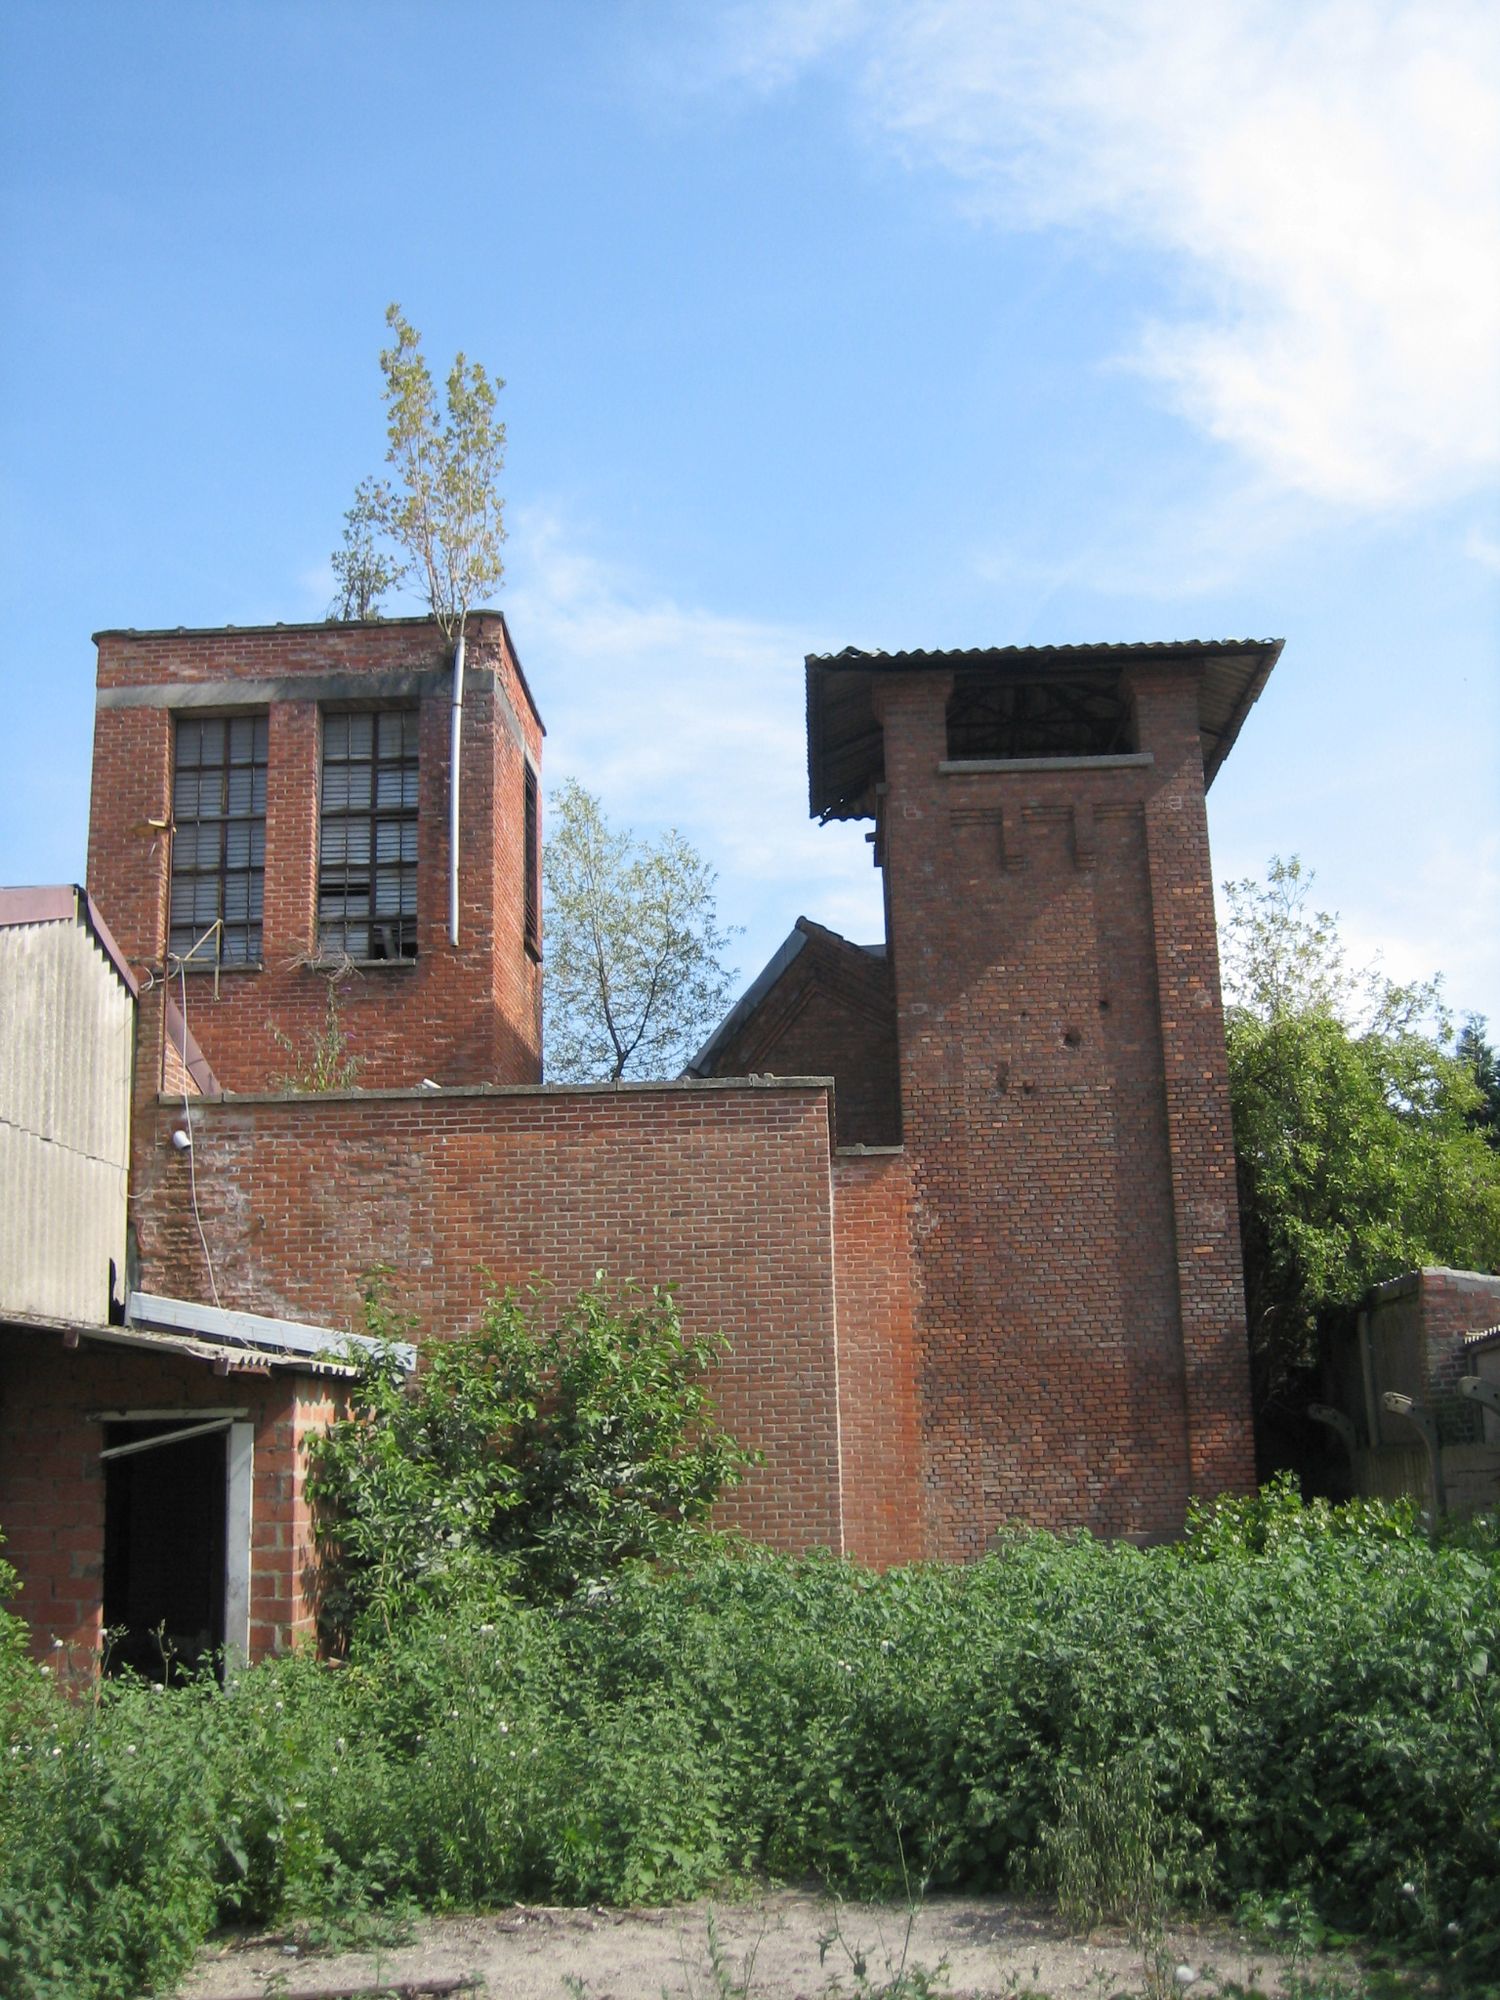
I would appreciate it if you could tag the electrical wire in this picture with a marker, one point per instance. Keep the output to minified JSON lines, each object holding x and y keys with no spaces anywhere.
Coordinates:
{"x":213,"y":1284}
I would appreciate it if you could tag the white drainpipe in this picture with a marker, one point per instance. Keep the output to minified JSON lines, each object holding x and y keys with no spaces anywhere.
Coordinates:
{"x":453,"y":768}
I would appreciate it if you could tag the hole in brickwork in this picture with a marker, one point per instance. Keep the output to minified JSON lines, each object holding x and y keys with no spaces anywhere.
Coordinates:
{"x":1104,"y":1004}
{"x":1028,"y":1089}
{"x":1002,"y":1077}
{"x":1072,"y":1039}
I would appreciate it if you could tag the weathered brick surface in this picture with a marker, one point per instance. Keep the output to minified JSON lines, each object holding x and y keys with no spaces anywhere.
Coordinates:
{"x":721,"y":1189}
{"x":470,"y":1015}
{"x":1081,"y":1349}
{"x":1030,"y":1311}
{"x":879,"y":1435}
{"x":830,"y":1013}
{"x":52,"y":1479}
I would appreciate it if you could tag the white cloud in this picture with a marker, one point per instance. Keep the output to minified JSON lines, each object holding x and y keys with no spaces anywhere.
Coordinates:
{"x":676,"y":715}
{"x":1436,"y":917}
{"x":1326,"y":176}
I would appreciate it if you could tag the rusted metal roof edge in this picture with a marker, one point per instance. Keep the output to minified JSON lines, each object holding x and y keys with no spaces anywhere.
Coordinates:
{"x":66,"y":902}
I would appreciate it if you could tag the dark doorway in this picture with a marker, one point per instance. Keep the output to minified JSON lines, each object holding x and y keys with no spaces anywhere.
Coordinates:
{"x":164,"y":1526}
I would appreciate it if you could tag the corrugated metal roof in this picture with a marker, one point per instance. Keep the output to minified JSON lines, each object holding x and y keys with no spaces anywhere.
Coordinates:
{"x":845,"y":746}
{"x":288,"y":1341}
{"x":65,"y":902}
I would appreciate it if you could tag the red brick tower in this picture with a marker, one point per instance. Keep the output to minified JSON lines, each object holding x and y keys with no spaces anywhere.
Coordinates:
{"x":1040,"y":820}
{"x":270,"y":814}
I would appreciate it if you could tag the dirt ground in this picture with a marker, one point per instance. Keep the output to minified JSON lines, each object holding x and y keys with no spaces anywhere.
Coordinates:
{"x":769,"y":1947}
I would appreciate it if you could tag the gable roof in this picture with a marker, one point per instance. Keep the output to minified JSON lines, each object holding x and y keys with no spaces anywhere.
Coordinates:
{"x":66,"y":902}
{"x":804,"y":932}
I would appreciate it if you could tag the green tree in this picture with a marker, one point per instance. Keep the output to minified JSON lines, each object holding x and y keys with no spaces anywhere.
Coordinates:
{"x":1478,"y":1056}
{"x":634,"y":975}
{"x":534,"y":1455}
{"x":1355,"y":1153}
{"x":439,"y":521}
{"x":365,"y":571}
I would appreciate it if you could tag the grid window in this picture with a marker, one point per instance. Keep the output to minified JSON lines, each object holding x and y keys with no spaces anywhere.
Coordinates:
{"x":367,"y":864}
{"x":218,"y":839}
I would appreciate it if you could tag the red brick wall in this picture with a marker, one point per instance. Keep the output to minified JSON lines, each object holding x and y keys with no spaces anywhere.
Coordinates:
{"x":722,"y":1189}
{"x":52,"y":1480}
{"x":878,"y":1428}
{"x":461,"y":1016}
{"x":831,"y":1013}
{"x":1081,"y":1351}
{"x":1210,"y":1276}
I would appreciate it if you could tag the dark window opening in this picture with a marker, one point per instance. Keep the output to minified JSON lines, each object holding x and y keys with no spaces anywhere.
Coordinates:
{"x":218,"y":839}
{"x":367,"y":862}
{"x":1083,"y":715}
{"x":165,"y":1514}
{"x":533,"y":865}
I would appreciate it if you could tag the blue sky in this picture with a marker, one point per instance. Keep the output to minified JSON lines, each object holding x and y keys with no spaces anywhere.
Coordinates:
{"x":823,"y":322}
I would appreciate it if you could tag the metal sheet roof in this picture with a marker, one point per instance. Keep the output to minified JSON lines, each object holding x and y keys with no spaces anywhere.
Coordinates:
{"x":845,"y":747}
{"x":290,"y":1342}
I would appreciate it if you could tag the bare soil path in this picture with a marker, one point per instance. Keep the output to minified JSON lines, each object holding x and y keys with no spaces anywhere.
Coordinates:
{"x":769,"y":1946}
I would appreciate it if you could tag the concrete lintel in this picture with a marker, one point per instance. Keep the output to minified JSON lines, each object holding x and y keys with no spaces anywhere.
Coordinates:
{"x":964,"y":767}
{"x":229,"y":691}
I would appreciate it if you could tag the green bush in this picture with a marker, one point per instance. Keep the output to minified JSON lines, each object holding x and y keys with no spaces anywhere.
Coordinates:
{"x":1292,"y":1705}
{"x":534,"y":1455}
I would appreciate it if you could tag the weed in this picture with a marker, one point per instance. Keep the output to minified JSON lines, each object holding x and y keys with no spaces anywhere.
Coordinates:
{"x":323,"y":1060}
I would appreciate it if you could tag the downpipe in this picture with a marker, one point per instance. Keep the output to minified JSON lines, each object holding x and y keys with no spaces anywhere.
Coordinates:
{"x":454,"y":754}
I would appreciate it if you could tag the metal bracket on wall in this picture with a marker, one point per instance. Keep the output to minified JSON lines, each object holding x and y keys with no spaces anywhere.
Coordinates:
{"x":1322,"y":1413}
{"x":1418,"y":1415}
{"x":1487,"y":1393}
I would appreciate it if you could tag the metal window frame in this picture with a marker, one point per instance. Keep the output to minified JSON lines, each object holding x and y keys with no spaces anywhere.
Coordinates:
{"x":333,"y":933}
{"x":220,"y":926}
{"x":531,"y":840}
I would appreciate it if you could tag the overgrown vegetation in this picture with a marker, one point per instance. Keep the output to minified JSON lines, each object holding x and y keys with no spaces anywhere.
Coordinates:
{"x":1295,"y":1705}
{"x":323,"y":1059}
{"x":438,"y":522}
{"x":531,"y":1457}
{"x":1358,"y":1123}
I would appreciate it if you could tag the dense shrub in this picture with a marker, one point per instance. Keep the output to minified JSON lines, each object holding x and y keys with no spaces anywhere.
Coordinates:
{"x":1289,"y":1702}
{"x":536,"y":1454}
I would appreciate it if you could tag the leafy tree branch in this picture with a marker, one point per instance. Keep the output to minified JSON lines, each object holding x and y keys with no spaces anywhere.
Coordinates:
{"x":634,"y":975}
{"x":439,"y":520}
